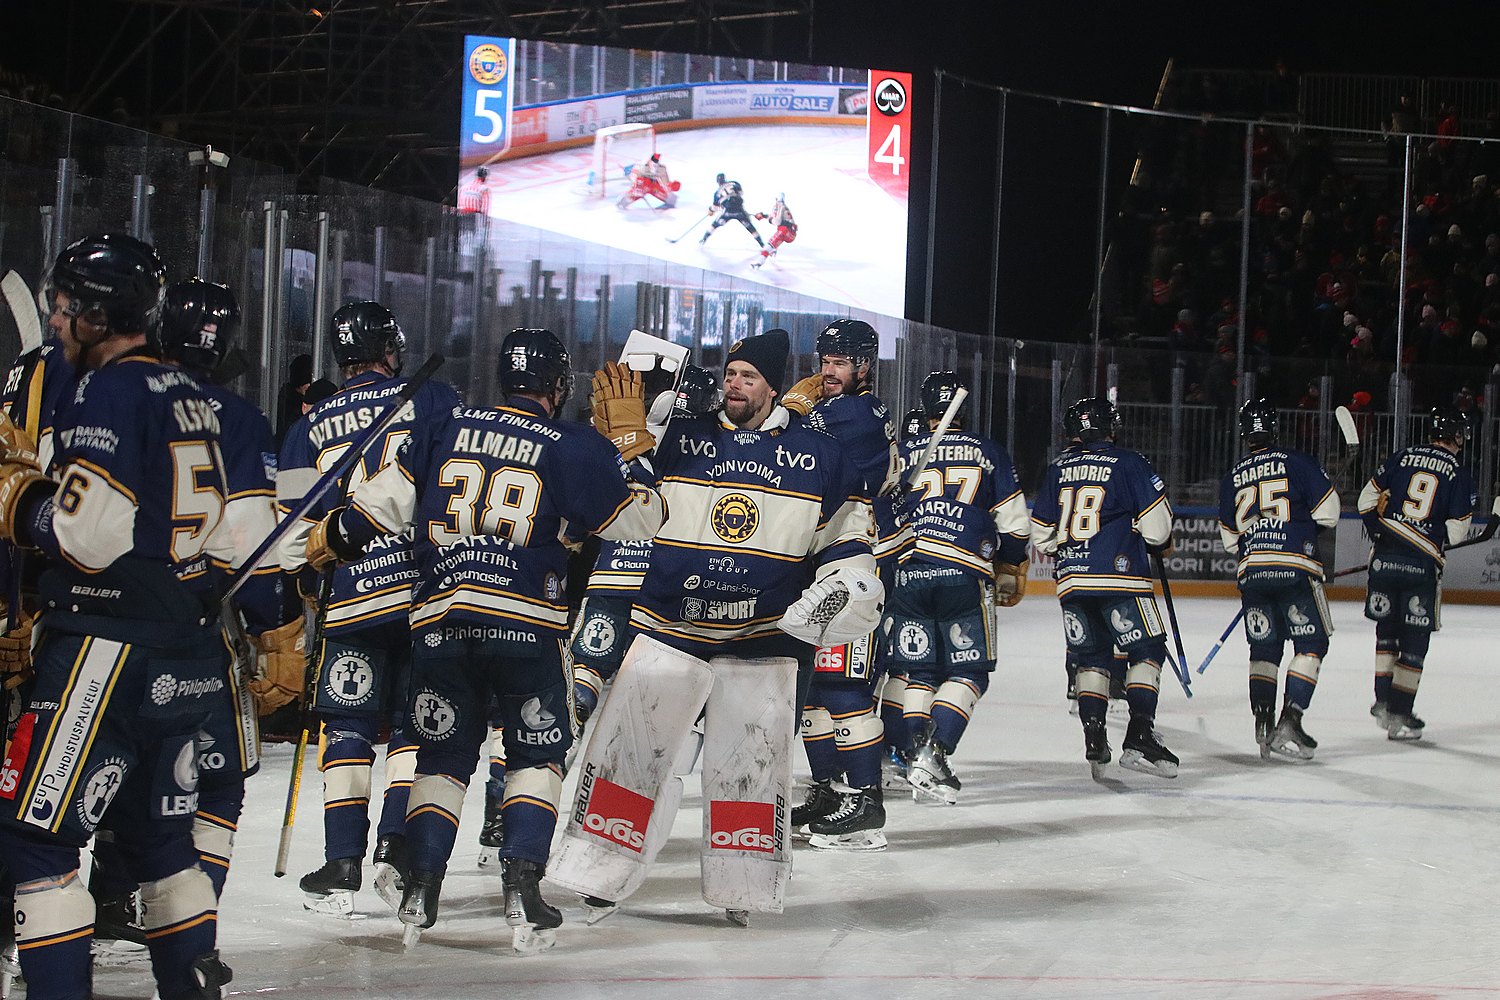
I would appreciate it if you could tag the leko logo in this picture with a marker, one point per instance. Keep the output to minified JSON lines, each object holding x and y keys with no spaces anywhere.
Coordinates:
{"x":617,"y":814}
{"x":742,"y":826}
{"x":487,"y":64}
{"x":735,"y":518}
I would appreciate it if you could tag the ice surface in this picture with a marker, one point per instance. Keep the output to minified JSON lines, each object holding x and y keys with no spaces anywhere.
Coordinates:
{"x":1369,"y":872}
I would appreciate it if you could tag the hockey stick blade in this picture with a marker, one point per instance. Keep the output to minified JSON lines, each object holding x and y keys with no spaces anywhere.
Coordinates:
{"x":688,"y":231}
{"x":1345,"y":420}
{"x":354,"y":453}
{"x":1481,"y":538}
{"x":949,"y":415}
{"x":23,"y":307}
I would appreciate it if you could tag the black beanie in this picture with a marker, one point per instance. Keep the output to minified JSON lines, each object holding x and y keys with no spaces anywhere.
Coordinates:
{"x":767,"y":353}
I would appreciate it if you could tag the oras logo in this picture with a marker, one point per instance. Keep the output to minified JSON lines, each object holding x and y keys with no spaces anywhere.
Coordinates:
{"x":617,"y":814}
{"x":830,"y":659}
{"x":487,"y":64}
{"x":742,"y":826}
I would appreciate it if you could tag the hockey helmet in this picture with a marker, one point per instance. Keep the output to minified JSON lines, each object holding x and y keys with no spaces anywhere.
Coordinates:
{"x":914,"y":424}
{"x":1448,"y":423}
{"x":116,"y":277}
{"x":849,"y":338}
{"x":718,"y":178}
{"x":365,"y":332}
{"x":698,"y":393}
{"x":198,"y":320}
{"x":1092,"y":419}
{"x":1258,"y":423}
{"x":533,"y":360}
{"x":938,"y":390}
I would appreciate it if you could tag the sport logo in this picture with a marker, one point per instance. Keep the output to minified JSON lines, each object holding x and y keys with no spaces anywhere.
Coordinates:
{"x":99,"y":790}
{"x":735,"y":518}
{"x":616,"y":814}
{"x":890,"y":97}
{"x":598,"y":635}
{"x":487,"y":64}
{"x":1073,"y":628}
{"x":742,"y":826}
{"x":1380,"y":605}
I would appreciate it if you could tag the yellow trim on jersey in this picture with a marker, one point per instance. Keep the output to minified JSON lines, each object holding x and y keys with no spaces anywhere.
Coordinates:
{"x":732,"y":550}
{"x":757,"y":488}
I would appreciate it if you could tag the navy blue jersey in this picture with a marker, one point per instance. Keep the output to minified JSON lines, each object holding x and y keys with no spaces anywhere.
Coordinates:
{"x":1099,"y":507}
{"x":730,"y":197}
{"x":620,"y":568}
{"x":1430,"y":499}
{"x":1271,"y":506}
{"x":490,"y":493}
{"x":374,"y":590}
{"x":753,"y":516}
{"x":41,"y":380}
{"x":862,"y":424}
{"x":971,"y":508}
{"x":134,"y":530}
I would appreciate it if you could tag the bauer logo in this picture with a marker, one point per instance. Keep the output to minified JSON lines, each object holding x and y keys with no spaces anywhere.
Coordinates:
{"x":890,"y":97}
{"x":742,"y":826}
{"x":615,"y":813}
{"x":487,"y":64}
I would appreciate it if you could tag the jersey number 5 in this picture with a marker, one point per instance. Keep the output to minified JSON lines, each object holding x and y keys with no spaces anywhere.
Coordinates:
{"x":1273,"y":504}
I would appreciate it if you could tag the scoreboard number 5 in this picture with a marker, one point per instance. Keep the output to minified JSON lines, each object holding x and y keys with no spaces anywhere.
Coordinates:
{"x":481,"y":110}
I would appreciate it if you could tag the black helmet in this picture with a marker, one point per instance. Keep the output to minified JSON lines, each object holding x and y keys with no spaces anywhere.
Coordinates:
{"x":849,"y":338}
{"x":913,"y":424}
{"x":198,"y":321}
{"x":115,"y":274}
{"x":536,"y":361}
{"x":698,"y":393}
{"x":1448,"y":423}
{"x":1258,"y":423}
{"x":938,"y":390}
{"x":718,"y":178}
{"x":364,"y":332}
{"x":1092,"y":419}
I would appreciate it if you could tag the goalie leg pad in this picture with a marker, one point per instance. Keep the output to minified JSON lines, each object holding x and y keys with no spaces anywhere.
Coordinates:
{"x":747,"y":783}
{"x":634,"y":736}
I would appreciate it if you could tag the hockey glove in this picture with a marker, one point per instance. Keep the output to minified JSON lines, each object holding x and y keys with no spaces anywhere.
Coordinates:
{"x":905,"y":499}
{"x":620,"y":409}
{"x":20,"y":478}
{"x":15,"y":654}
{"x":326,"y":544}
{"x":803,"y":396}
{"x":1381,"y":500}
{"x":280,"y":666}
{"x":1010,"y":583}
{"x":843,"y":606}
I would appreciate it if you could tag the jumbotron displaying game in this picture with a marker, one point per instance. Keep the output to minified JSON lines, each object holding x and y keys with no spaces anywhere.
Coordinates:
{"x":790,"y":175}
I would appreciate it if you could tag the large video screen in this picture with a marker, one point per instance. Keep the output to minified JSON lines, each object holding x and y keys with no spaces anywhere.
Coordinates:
{"x":789,"y":175}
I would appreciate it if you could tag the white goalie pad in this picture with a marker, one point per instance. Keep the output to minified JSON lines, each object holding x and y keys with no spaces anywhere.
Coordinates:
{"x":841,"y":607}
{"x":747,"y":779}
{"x":626,"y":800}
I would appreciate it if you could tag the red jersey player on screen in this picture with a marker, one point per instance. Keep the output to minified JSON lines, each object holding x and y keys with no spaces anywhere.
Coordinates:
{"x":786,"y":228}
{"x":650,"y":178}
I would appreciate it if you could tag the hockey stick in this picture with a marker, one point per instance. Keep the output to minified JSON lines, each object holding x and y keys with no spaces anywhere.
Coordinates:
{"x":23,"y":308}
{"x":1179,"y":666}
{"x":309,"y":680}
{"x":354,"y":453}
{"x":695,"y":225}
{"x":949,"y":415}
{"x":24,"y":407}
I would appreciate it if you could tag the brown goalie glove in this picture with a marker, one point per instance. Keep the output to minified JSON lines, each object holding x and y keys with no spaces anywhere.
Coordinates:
{"x":1010,"y":582}
{"x":620,"y":409}
{"x":281,"y":666}
{"x":15,"y":652}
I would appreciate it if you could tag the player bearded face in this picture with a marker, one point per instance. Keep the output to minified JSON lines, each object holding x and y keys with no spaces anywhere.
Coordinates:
{"x":747,"y":395}
{"x":841,"y":375}
{"x":74,"y":332}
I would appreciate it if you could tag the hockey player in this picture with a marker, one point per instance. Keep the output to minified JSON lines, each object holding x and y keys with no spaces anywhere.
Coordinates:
{"x":1272,"y":506}
{"x":729,"y":203}
{"x":969,"y":527}
{"x":365,"y":659}
{"x":650,"y":178}
{"x":130,"y":521}
{"x":1419,"y":502}
{"x":786,"y":228}
{"x":1100,"y":509}
{"x":766,"y":555}
{"x":841,"y":727}
{"x":487,"y":490}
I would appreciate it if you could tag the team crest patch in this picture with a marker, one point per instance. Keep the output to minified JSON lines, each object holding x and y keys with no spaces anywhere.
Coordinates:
{"x":598,"y":634}
{"x":99,"y":790}
{"x":1122,"y":564}
{"x":1257,"y":625}
{"x":913,"y":640}
{"x":351,"y":678}
{"x":434,"y":715}
{"x":1073,"y":627}
{"x":735,"y":518}
{"x":1380,"y":605}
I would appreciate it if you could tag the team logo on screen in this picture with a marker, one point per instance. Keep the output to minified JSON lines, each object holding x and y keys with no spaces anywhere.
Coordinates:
{"x":735,"y":518}
{"x":487,"y":64}
{"x":890,"y":97}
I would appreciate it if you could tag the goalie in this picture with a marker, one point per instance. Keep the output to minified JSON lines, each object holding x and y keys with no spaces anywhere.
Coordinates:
{"x":650,"y":179}
{"x":765,"y":555}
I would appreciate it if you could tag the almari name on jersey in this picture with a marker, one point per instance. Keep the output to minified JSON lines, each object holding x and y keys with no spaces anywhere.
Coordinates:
{"x":1271,"y":505}
{"x":747,"y":509}
{"x":971,"y":506}
{"x":488,"y":492}
{"x":1099,"y":507}
{"x":1432,"y":499}
{"x":375,"y":589}
{"x":862,"y":424}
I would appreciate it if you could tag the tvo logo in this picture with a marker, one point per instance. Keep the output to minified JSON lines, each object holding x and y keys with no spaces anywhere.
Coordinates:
{"x":795,"y":459}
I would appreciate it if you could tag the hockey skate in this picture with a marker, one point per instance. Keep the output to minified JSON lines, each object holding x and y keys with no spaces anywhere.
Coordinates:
{"x":740,"y":918}
{"x":856,"y":825}
{"x":1096,"y":747}
{"x":596,"y":909}
{"x":390,"y":868}
{"x":931,"y":778}
{"x":1404,"y":728}
{"x":821,"y":801}
{"x":211,"y":975}
{"x":331,"y":888}
{"x":10,"y":953}
{"x":533,"y":919}
{"x":117,"y":923}
{"x":1265,"y":727}
{"x":492,"y":834}
{"x":1289,"y":739}
{"x":1144,"y":751}
{"x":419,"y":905}
{"x":893,"y":768}
{"x":1381,"y":713}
